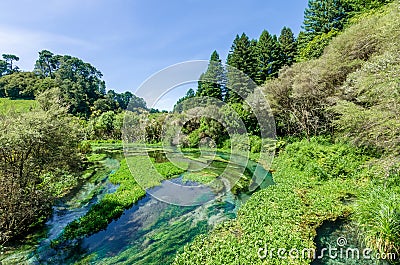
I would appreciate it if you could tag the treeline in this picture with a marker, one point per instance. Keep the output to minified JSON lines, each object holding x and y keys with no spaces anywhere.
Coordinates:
{"x":349,"y":94}
{"x":77,"y":84}
{"x":66,"y":81}
{"x":270,"y":56}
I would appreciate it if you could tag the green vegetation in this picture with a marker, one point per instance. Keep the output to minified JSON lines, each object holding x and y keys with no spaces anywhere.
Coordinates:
{"x":309,"y":189}
{"x":378,"y":215}
{"x":334,"y":94}
{"x":17,"y":106}
{"x":110,"y":207}
{"x":349,"y":93}
{"x":37,"y":154}
{"x":114,"y":204}
{"x":204,"y":177}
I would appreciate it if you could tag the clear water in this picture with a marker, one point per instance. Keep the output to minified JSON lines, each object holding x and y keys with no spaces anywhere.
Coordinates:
{"x":349,"y":238}
{"x":151,"y":232}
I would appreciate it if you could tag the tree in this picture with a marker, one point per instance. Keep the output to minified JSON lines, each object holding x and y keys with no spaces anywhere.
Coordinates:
{"x":269,"y":57}
{"x":103,"y":105}
{"x":36,"y":148}
{"x":190,"y":93}
{"x":183,"y":103}
{"x":364,"y":5}
{"x":321,"y":16}
{"x":322,"y":19}
{"x":212,"y":82}
{"x":46,"y":64}
{"x":10,"y":58}
{"x":80,"y":84}
{"x":134,"y":102}
{"x":3,"y":68}
{"x":241,"y":57}
{"x":288,"y":46}
{"x":19,"y":85}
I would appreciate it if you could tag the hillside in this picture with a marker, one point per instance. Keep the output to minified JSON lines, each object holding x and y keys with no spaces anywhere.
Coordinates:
{"x":18,"y":106}
{"x":353,"y":91}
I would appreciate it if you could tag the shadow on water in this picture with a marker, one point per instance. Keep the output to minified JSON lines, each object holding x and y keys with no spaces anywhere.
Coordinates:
{"x":343,"y":238}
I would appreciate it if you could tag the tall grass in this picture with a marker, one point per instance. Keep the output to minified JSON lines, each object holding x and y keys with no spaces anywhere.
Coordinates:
{"x":378,"y":215}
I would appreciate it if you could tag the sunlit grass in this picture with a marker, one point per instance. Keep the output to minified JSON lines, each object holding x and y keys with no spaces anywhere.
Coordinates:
{"x":18,"y":106}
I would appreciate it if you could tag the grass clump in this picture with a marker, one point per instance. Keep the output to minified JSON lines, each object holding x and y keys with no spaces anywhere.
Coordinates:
{"x":378,"y":214}
{"x":203,"y":177}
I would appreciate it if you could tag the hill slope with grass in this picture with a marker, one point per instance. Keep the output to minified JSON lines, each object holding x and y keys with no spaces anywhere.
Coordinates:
{"x":18,"y":105}
{"x":352,"y":93}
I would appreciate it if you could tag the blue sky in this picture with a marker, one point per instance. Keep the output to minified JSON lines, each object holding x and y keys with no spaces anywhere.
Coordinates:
{"x":129,"y":40}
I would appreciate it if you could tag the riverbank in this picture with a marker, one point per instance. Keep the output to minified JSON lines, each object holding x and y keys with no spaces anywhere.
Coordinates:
{"x":315,"y":181}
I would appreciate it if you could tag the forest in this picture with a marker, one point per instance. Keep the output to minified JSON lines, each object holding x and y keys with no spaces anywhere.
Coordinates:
{"x":333,"y":90}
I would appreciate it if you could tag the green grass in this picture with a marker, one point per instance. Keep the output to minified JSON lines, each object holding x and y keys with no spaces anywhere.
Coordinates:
{"x":203,"y":177}
{"x":149,"y":174}
{"x":110,"y":207}
{"x":19,"y":106}
{"x":378,"y":215}
{"x":315,"y":181}
{"x":93,"y":157}
{"x":129,"y":192}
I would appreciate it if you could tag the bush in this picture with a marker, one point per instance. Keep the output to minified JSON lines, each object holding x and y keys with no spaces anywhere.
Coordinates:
{"x":368,"y":110}
{"x":316,"y":46}
{"x":36,"y":149}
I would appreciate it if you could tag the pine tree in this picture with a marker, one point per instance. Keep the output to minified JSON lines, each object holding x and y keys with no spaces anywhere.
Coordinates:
{"x":322,"y":16}
{"x":212,"y":82}
{"x":269,"y":57}
{"x":288,"y":46}
{"x":242,"y":57}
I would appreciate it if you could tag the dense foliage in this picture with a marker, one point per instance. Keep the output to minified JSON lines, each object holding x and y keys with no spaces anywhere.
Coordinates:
{"x":314,"y":181}
{"x":351,"y":93}
{"x":336,"y":85}
{"x":75,"y":84}
{"x":37,"y":150}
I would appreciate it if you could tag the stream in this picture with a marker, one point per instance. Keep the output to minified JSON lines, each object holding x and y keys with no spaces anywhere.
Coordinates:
{"x":150,"y":232}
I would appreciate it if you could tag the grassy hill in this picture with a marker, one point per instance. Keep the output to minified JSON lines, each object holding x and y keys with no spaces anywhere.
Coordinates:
{"x":20,"y":106}
{"x":353,"y":89}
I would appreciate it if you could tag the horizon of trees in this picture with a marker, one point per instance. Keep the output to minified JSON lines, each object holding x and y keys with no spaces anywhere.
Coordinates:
{"x":77,"y":84}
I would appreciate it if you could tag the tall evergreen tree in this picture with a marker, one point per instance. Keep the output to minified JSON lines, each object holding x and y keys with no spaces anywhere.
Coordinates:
{"x":242,"y":57}
{"x":288,"y":46}
{"x":9,"y":59}
{"x":3,"y":68}
{"x":269,"y":57}
{"x":212,"y":82}
{"x":46,"y":64}
{"x":322,"y":16}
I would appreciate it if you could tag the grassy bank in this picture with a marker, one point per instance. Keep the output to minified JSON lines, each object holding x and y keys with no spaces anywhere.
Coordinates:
{"x":114,"y":204}
{"x":110,"y":207}
{"x":315,"y":181}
